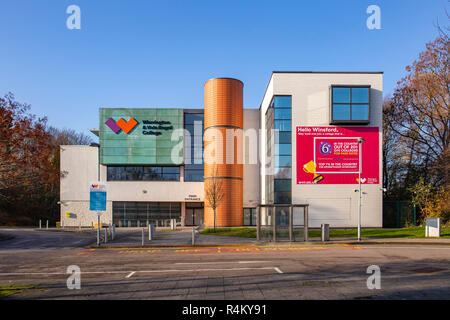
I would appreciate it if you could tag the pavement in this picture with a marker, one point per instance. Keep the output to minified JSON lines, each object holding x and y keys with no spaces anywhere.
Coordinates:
{"x":258,"y":271}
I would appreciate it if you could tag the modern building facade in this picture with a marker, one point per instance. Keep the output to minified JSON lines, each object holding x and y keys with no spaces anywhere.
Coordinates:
{"x":301,"y":146}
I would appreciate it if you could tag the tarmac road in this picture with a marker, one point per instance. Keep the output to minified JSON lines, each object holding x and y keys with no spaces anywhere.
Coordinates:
{"x":251,"y":271}
{"x":37,"y":239}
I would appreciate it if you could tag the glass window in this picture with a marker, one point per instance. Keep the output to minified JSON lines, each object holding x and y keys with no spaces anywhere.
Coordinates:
{"x":341,"y":112}
{"x":282,"y":102}
{"x":145,"y":173}
{"x":278,"y":117}
{"x":249,"y":216}
{"x":282,"y":185}
{"x":284,"y":137}
{"x":283,"y":161}
{"x":193,"y":175}
{"x":140,"y":214}
{"x":282,"y":197}
{"x":341,"y":95}
{"x":360,"y":112}
{"x":360,"y":95}
{"x":193,"y":158}
{"x":282,"y":125}
{"x":282,"y":113}
{"x":170,"y":170}
{"x":350,"y":104}
{"x":282,"y":173}
{"x":191,"y":117}
{"x":283,"y":149}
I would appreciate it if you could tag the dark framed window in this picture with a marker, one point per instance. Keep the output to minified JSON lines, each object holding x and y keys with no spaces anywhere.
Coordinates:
{"x":279,"y":147}
{"x":350,"y":104}
{"x":193,"y":149}
{"x":249,"y":216}
{"x":141,"y":214}
{"x":143,"y":173}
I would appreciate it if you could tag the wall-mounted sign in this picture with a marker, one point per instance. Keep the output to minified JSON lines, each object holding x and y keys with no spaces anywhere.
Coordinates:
{"x":155,"y":127}
{"x":331,"y":155}
{"x":192,"y":197}
{"x":140,"y":136}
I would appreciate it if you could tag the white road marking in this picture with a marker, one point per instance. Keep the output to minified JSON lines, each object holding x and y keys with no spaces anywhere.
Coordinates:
{"x":427,"y":246}
{"x":130,"y":274}
{"x":278,"y":270}
{"x":219,"y":262}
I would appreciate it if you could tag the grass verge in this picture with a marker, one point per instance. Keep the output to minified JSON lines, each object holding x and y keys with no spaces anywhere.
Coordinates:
{"x":406,"y":233}
{"x":6,"y":291}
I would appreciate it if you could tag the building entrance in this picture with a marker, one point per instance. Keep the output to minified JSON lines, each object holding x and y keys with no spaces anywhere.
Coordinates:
{"x":194,"y":214}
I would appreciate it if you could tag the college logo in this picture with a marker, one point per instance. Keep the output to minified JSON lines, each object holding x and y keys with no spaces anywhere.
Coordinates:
{"x":125,"y":126}
{"x":325,"y":148}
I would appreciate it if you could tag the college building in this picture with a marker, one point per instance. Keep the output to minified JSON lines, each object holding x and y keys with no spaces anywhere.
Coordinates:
{"x":313,"y":140}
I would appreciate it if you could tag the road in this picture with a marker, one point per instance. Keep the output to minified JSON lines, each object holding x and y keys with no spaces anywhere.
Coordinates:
{"x":36,"y":239}
{"x":270,"y":271}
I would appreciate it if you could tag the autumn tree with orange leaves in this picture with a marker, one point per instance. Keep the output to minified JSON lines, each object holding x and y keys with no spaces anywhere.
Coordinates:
{"x":29,"y":164}
{"x":416,"y":126}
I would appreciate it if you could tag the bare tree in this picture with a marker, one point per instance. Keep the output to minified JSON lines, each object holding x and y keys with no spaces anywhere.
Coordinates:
{"x":214,"y":193}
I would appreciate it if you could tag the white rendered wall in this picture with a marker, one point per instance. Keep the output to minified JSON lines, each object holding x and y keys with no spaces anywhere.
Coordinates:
{"x":336,"y":205}
{"x":79,"y":164}
{"x":251,"y":186}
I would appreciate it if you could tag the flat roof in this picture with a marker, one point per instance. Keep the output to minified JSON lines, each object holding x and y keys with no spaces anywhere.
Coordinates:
{"x":356,"y":72}
{"x":317,"y":72}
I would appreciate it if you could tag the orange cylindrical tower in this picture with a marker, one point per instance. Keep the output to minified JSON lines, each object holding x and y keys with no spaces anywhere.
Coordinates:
{"x":223,"y":139}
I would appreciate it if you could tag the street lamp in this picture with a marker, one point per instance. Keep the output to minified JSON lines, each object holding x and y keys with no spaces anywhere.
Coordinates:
{"x":360,"y":141}
{"x":96,"y":145}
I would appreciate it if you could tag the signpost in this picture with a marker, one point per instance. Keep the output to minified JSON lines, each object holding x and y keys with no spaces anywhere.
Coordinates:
{"x":97,"y":202}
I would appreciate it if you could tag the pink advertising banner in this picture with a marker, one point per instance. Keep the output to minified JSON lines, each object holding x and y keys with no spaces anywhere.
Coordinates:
{"x":331,"y":155}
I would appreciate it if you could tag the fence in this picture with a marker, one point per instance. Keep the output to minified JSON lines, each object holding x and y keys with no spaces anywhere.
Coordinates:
{"x":398,"y":214}
{"x":282,"y":222}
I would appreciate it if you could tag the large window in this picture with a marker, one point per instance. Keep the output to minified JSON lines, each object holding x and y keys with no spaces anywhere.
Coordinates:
{"x":350,"y":104}
{"x":143,"y":173}
{"x":141,"y":214}
{"x":278,"y":119}
{"x":193,"y":155}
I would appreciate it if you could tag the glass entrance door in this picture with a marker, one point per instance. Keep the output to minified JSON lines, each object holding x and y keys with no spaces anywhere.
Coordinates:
{"x":194,"y":216}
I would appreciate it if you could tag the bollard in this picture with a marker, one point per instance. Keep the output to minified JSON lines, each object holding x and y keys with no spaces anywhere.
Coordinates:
{"x":193,"y":236}
{"x":150,"y":234}
{"x":106,"y":235}
{"x":142,"y":236}
{"x":113,"y":231}
{"x":46,"y":225}
{"x":79,"y":226}
{"x":325,"y":232}
{"x":40,"y":224}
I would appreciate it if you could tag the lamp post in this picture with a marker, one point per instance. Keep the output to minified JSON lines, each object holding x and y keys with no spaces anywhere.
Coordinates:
{"x":360,"y":141}
{"x":96,"y":145}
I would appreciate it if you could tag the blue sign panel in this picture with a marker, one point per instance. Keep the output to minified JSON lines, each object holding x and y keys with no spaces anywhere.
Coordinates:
{"x":97,"y":197}
{"x":97,"y":201}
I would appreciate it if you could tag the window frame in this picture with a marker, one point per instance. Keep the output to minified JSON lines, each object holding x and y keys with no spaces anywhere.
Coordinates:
{"x":350,"y":103}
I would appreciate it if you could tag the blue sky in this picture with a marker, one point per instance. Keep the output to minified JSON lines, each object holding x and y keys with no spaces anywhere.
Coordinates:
{"x":160,"y":53}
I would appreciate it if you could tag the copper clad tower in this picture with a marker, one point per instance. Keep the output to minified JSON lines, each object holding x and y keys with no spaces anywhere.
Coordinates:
{"x":223,"y":149}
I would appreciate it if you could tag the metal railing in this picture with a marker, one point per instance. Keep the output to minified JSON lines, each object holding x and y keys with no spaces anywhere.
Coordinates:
{"x":275,"y":227}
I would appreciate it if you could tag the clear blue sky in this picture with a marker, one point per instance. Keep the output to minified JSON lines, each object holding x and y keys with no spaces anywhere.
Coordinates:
{"x":160,"y":53}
